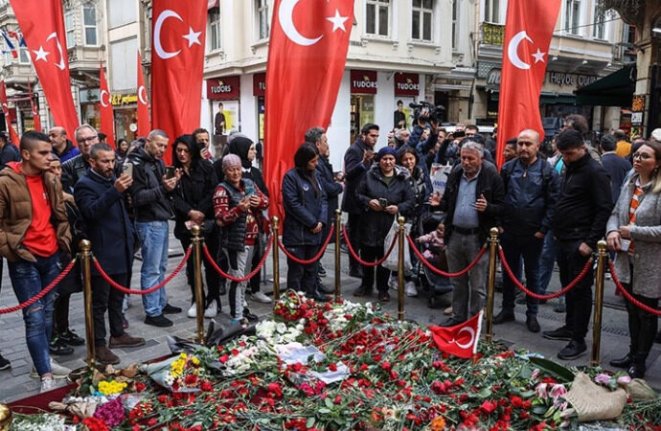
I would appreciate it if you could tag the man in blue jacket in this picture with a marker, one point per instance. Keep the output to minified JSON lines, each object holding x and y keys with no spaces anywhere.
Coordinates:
{"x":100,"y":197}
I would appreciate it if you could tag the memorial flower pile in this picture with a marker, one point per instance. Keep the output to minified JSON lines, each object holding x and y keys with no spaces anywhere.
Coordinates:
{"x":346,"y":366}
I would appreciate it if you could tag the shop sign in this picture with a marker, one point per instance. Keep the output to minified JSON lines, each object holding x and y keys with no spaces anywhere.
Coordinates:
{"x":493,"y":78}
{"x":363,"y":82}
{"x":259,"y":84}
{"x":123,"y":99}
{"x":561,"y":79}
{"x":227,"y":88}
{"x":407,"y":84}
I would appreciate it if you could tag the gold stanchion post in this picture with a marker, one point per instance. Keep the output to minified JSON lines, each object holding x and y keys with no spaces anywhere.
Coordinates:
{"x":598,"y":302}
{"x":491,"y":281}
{"x":197,"y":282}
{"x":338,"y":262}
{"x":86,"y":257}
{"x":400,"y":268}
{"x":276,"y":261}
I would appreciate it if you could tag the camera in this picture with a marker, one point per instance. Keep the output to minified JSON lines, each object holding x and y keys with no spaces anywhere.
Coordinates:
{"x":427,"y":112}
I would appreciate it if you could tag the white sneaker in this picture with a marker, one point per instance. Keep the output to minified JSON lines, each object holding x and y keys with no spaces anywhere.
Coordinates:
{"x":192,"y":311}
{"x":260,"y":297}
{"x":393,"y":282}
{"x":409,"y":289}
{"x":58,"y":371}
{"x":47,"y":384}
{"x":212,"y":310}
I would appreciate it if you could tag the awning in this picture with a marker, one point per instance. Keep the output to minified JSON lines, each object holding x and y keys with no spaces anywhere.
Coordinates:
{"x":615,"y":89}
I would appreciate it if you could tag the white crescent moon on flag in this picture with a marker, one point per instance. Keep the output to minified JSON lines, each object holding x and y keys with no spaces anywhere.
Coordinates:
{"x":104,"y":98}
{"x":471,"y":332}
{"x":158,"y":47}
{"x":285,"y":16}
{"x":142,"y":94}
{"x":53,"y":35}
{"x":513,"y":47}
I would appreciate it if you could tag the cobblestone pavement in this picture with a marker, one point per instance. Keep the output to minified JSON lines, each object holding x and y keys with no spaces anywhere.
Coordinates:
{"x":16,"y":383}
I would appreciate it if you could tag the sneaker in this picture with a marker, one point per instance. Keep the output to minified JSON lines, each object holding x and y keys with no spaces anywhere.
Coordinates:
{"x":105,"y":356}
{"x":410,"y":290}
{"x":321,"y":271}
{"x":260,"y":297}
{"x":58,"y":371}
{"x":192,"y":311}
{"x":58,"y":348}
{"x":71,"y":338}
{"x":125,"y":340}
{"x":160,"y":321}
{"x":250,"y":316}
{"x":171,"y":309}
{"x":562,"y":333}
{"x":211,"y":311}
{"x":503,"y":316}
{"x":4,"y":363}
{"x":572,"y":350}
{"x":47,"y":384}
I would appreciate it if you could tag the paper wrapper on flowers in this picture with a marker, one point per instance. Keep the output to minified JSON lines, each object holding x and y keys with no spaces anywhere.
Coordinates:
{"x":639,"y":390}
{"x":593,"y":402}
{"x":160,"y":373}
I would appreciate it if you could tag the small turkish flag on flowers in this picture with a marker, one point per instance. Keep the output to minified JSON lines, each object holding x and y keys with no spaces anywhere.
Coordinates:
{"x":459,"y":340}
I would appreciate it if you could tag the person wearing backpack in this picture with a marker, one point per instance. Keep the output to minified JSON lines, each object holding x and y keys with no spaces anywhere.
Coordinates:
{"x":531,"y":191}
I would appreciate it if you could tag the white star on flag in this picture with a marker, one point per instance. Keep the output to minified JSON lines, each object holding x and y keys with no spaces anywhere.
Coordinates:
{"x":41,"y":54}
{"x":539,"y":56}
{"x":338,"y":21}
{"x":193,"y":37}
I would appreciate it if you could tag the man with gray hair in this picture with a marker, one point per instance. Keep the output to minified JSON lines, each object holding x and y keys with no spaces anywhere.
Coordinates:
{"x":74,"y":168}
{"x":473,"y":201}
{"x":151,"y":191}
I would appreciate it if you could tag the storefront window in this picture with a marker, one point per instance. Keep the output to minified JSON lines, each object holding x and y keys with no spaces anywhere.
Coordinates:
{"x":362,"y":112}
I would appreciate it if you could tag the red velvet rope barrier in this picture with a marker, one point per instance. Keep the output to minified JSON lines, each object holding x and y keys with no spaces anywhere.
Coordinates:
{"x":364,"y":262}
{"x":43,"y":291}
{"x":442,"y":273}
{"x":316,"y":257}
{"x":646,"y":308}
{"x":561,"y":292}
{"x":211,"y":260}
{"x":152,"y":289}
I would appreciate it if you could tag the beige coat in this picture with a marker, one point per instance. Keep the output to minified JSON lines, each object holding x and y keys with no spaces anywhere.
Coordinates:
{"x":646,"y":235}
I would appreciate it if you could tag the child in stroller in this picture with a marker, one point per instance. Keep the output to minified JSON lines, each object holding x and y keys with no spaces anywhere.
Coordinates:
{"x":433,"y":247}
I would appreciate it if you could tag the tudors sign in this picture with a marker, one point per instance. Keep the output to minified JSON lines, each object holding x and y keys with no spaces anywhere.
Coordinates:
{"x":407,"y":84}
{"x":363,"y":82}
{"x":226,"y":88}
{"x":259,"y":84}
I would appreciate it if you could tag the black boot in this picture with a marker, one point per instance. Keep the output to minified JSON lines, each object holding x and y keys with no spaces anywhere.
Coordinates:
{"x":623,"y":362}
{"x":637,"y":368}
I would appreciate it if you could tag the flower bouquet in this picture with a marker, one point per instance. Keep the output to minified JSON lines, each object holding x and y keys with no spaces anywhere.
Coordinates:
{"x":182,"y":373}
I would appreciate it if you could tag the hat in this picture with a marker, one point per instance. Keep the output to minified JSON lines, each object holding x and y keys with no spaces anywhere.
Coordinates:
{"x":231,"y":161}
{"x":386,"y":151}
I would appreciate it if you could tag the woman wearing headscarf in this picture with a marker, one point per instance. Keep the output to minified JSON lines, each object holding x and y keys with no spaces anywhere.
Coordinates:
{"x":193,"y":206}
{"x":306,"y":213}
{"x":634,"y":232}
{"x":384,"y":192}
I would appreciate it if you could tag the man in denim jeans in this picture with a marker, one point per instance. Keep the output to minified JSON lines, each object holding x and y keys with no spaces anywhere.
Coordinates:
{"x":152,"y":204}
{"x":33,"y":231}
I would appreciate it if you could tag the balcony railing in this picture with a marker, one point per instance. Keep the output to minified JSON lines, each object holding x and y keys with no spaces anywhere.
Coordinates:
{"x":492,"y":34}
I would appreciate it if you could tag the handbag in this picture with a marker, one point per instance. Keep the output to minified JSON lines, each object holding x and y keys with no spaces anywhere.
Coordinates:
{"x":392,"y":260}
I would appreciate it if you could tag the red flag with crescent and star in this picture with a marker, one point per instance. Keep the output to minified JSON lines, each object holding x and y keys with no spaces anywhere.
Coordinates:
{"x":9,"y":117}
{"x":178,"y":37}
{"x":107,"y":115}
{"x":42,"y":25}
{"x":143,"y":102}
{"x":459,"y":340}
{"x":306,"y":59}
{"x":528,"y":32}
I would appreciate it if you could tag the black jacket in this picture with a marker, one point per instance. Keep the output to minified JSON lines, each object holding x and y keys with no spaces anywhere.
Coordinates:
{"x":332,"y":188}
{"x":354,"y":172}
{"x":8,"y":153}
{"x":305,"y":206}
{"x":489,"y":184}
{"x":151,"y":201}
{"x":72,"y":171}
{"x":194,"y":192}
{"x":376,"y":224}
{"x":531,"y":193}
{"x":584,"y":204}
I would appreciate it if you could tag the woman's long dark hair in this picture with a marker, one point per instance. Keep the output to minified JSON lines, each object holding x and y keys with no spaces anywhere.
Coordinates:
{"x":194,"y":151}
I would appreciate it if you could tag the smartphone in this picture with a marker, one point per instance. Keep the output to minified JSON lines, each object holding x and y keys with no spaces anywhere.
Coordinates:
{"x":127,"y":168}
{"x":383,"y":202}
{"x":169,"y":172}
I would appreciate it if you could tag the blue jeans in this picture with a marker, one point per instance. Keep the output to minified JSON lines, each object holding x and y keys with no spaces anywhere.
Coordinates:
{"x":154,"y":238}
{"x":28,"y":279}
{"x":546,"y":263}
{"x":529,"y":249}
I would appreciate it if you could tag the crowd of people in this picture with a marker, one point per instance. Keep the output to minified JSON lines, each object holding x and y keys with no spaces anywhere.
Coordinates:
{"x":548,"y":207}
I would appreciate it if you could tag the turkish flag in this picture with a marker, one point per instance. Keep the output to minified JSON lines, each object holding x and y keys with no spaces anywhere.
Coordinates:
{"x":143,"y":103}
{"x":177,"y":61}
{"x":9,"y":116}
{"x":36,"y":119}
{"x":528,"y":31}
{"x":42,"y":24}
{"x":107,"y":115}
{"x":307,"y":54}
{"x":459,"y":340}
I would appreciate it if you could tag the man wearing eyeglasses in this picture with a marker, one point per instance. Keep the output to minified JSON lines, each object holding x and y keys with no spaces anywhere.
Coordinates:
{"x":73,"y":169}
